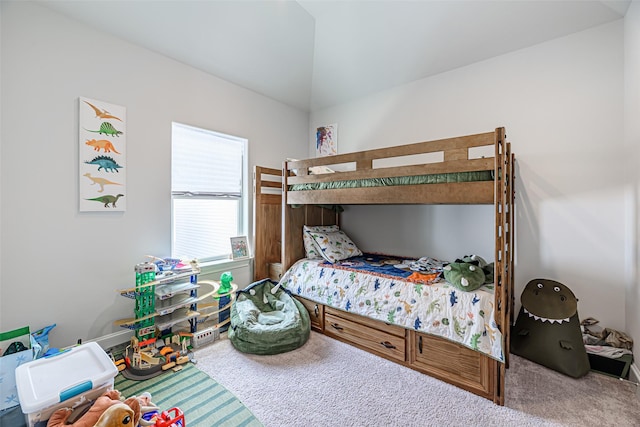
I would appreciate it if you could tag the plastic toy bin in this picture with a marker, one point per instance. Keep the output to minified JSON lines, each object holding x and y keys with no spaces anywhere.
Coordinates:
{"x":64,"y":380}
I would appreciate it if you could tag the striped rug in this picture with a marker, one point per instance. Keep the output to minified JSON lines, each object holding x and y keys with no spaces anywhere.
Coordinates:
{"x":205,"y":403}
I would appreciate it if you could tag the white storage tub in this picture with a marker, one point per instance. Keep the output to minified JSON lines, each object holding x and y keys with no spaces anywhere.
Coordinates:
{"x":63,"y":380}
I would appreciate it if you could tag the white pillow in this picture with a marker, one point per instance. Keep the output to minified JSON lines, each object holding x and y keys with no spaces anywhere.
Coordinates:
{"x":313,"y":170}
{"x":310,"y":248}
{"x":335,"y":245}
{"x":319,"y":170}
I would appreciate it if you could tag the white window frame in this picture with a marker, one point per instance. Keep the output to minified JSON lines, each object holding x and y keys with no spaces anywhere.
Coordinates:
{"x":242,"y":202}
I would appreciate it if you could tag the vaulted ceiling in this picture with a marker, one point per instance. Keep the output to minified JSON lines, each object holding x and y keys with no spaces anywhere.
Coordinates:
{"x":312,"y":54}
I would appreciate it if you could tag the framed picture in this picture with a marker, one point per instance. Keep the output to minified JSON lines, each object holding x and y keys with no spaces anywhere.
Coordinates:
{"x":239,"y":247}
{"x":327,"y":140}
{"x":102,"y":141}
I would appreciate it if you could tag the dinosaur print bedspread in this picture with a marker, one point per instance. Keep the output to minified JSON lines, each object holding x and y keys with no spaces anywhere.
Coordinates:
{"x":386,"y":289}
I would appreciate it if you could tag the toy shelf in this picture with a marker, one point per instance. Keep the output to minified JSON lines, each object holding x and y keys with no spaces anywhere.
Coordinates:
{"x":165,"y":292}
{"x":167,"y":278}
{"x":167,"y":298}
{"x":209,"y":309}
{"x":175,"y":318}
{"x":170,"y":290}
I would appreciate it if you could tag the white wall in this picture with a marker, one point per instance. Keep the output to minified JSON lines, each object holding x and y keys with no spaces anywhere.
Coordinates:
{"x":62,"y":266}
{"x":562,"y":105}
{"x":632,"y":153}
{"x":561,"y":102}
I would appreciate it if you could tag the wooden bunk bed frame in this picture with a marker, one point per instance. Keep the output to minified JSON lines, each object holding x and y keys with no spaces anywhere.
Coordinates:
{"x":279,"y":244}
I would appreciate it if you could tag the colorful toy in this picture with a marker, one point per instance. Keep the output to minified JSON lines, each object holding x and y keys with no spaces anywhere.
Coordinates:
{"x":166,"y":293}
{"x":225,"y":288}
{"x":146,"y":300}
{"x":164,"y":419}
{"x":225,"y":282}
{"x":150,"y":357}
{"x":173,"y":264}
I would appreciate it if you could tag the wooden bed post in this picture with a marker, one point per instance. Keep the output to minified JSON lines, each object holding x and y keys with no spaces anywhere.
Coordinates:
{"x":512,"y":241}
{"x":501,"y":280}
{"x":294,"y":218}
{"x":267,"y":211}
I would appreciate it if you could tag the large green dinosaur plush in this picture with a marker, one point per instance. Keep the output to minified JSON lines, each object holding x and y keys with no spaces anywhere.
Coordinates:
{"x":547,"y":330}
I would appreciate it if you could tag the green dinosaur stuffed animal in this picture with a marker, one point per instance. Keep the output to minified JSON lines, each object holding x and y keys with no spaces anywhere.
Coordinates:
{"x":487,"y":267}
{"x":469,"y":273}
{"x":464,"y":276}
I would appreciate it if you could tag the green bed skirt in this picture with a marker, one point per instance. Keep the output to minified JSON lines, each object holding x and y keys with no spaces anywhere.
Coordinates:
{"x":439,"y":178}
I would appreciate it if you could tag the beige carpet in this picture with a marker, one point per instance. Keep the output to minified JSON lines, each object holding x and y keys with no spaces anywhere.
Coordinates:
{"x":329,"y":383}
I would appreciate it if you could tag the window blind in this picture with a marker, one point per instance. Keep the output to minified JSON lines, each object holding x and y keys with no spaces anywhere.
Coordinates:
{"x":207,"y":192}
{"x":205,"y":163}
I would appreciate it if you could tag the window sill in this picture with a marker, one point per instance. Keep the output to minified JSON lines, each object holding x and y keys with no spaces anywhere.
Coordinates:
{"x":225,"y":264}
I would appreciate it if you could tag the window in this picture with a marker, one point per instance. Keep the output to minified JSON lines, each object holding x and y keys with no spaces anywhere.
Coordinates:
{"x":208,"y":186}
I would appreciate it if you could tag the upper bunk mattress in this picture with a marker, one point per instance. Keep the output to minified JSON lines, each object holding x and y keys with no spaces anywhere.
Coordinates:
{"x":383,"y":288}
{"x":439,"y":178}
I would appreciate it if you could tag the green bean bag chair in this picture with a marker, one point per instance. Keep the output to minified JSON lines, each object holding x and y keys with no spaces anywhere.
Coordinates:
{"x":268,"y":322}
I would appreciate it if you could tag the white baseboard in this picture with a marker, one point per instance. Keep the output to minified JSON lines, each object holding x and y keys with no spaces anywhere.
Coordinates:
{"x":114,"y":339}
{"x":634,"y":375}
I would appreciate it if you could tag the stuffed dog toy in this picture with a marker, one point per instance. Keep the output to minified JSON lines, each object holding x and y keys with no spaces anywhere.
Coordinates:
{"x":98,"y":412}
{"x":118,"y":415}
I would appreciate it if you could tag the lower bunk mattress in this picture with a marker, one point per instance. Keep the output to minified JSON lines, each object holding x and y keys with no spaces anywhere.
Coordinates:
{"x":388,"y":289}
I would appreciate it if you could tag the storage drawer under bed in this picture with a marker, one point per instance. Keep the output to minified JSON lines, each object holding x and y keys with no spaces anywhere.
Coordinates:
{"x":380,"y":338}
{"x":453,"y":363}
{"x":316,"y":313}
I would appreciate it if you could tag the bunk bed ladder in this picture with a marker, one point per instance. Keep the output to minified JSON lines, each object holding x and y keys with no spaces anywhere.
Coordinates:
{"x":503,"y":250}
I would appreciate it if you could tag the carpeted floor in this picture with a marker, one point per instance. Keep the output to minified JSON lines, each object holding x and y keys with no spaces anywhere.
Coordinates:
{"x":205,"y":403}
{"x":330,"y":383}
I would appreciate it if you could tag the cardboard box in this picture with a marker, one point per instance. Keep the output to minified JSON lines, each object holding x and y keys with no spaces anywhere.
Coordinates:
{"x":63,"y":380}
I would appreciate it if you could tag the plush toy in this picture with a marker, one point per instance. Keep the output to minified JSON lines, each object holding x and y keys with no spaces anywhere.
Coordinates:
{"x":464,"y":276}
{"x":118,"y":415}
{"x":474,"y":259}
{"x":486,"y":267}
{"x":469,"y":273}
{"x":547,"y":330}
{"x":111,"y":398}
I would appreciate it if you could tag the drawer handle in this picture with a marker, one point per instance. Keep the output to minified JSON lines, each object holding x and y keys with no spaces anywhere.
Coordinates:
{"x":335,"y":326}
{"x":315,"y":310}
{"x":387,"y":344}
{"x":420,"y":344}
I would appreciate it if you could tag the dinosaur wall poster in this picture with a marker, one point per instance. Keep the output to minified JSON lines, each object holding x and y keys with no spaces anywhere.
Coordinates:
{"x":102,"y":144}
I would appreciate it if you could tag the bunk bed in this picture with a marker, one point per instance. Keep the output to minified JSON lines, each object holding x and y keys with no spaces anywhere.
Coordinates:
{"x":285,"y":201}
